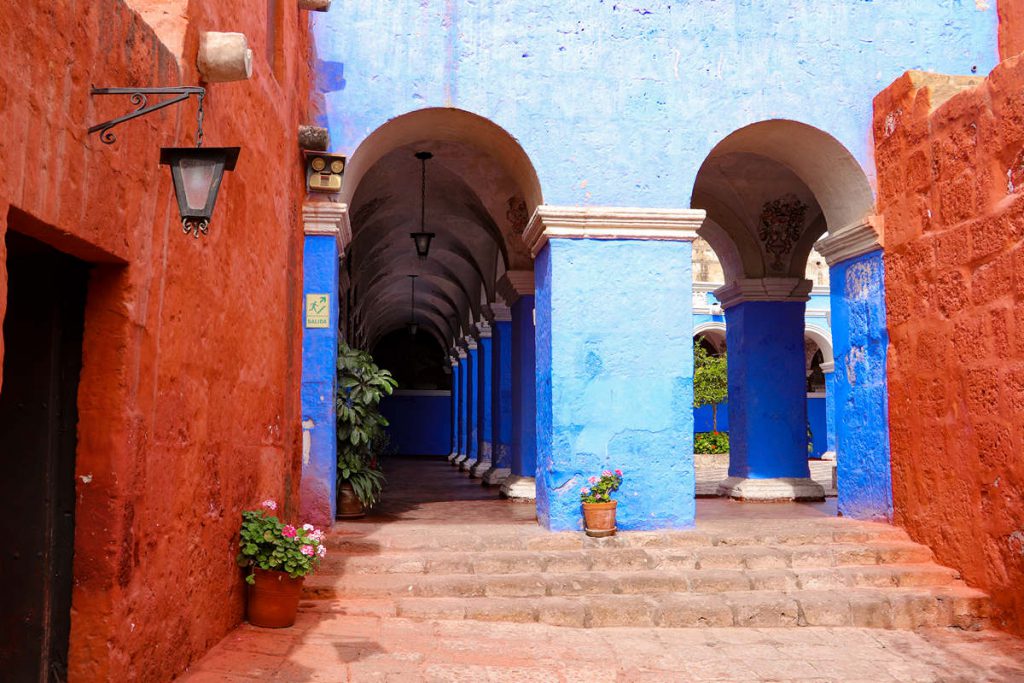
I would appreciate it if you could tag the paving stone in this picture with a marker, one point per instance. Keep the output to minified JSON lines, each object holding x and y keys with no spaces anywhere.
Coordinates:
{"x":764,"y":609}
{"x":693,"y":611}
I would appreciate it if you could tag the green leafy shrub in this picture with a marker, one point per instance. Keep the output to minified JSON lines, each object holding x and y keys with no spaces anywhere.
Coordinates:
{"x":710,"y":381}
{"x":361,"y":436}
{"x":711,"y":442}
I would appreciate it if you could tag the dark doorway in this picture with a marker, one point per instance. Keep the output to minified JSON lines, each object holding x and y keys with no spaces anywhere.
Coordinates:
{"x":42,"y":333}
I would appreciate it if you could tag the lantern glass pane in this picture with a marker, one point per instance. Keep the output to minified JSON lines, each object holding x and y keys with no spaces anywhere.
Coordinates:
{"x":197,"y":178}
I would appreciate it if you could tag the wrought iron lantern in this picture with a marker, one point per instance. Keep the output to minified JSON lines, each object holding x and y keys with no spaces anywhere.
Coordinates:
{"x":422,"y":238}
{"x":197,"y":173}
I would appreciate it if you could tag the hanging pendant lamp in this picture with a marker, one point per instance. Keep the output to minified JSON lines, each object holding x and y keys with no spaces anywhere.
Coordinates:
{"x":422,"y":238}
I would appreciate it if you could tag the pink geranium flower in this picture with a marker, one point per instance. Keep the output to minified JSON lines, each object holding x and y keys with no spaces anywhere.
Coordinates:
{"x":317,"y":535}
{"x":618,"y":472}
{"x":307,"y":550}
{"x":288,"y":531}
{"x":593,"y":480}
{"x":585,"y":491}
{"x":269,"y":504}
{"x":308,"y":527}
{"x":321,"y":551}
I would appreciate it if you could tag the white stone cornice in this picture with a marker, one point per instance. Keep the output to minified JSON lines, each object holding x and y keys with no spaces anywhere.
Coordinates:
{"x":851,"y":241}
{"x":328,"y":218}
{"x":763,"y":289}
{"x":828,"y":367}
{"x":610,"y":223}
{"x":514,"y":284}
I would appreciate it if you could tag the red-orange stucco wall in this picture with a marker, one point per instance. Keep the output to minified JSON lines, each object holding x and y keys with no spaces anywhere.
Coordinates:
{"x":1011,"y":28}
{"x":951,"y":189}
{"x":189,"y":403}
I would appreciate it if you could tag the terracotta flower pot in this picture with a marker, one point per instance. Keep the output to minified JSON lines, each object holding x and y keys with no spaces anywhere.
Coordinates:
{"x":599,"y":519}
{"x":273,"y":599}
{"x":349,"y":505}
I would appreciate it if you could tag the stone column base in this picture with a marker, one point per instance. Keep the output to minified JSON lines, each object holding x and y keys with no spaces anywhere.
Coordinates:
{"x":477,"y":470}
{"x":772,"y":490}
{"x":452,"y":456}
{"x":460,"y":459}
{"x":467,"y":464}
{"x":496,"y":475}
{"x":519,"y":488}
{"x":828,"y":455}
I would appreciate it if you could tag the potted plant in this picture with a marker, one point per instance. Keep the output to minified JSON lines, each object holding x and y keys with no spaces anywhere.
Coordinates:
{"x":598,"y":506}
{"x":278,"y":557}
{"x":361,"y":436}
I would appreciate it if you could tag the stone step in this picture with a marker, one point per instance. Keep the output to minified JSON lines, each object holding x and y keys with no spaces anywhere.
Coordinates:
{"x":612,"y":559}
{"x":457,"y":539}
{"x":903,"y":608}
{"x":648,"y":582}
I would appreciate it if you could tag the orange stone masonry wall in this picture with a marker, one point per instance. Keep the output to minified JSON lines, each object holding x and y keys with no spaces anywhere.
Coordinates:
{"x":1011,"y":28}
{"x":950,"y":157}
{"x":189,"y":405}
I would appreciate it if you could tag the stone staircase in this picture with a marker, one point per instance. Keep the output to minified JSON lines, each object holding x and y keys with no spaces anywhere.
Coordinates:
{"x":775,"y":573}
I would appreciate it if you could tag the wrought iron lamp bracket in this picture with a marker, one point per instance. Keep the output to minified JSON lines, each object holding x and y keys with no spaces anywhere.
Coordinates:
{"x":139,"y":97}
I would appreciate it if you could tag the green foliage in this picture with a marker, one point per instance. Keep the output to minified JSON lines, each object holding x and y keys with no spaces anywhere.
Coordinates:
{"x":361,"y":436}
{"x":710,"y":381}
{"x":267,"y":543}
{"x":711,"y":442}
{"x":600,"y":488}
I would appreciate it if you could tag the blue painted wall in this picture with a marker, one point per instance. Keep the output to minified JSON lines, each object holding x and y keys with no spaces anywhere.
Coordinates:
{"x":862,"y":401}
{"x":618,"y":103}
{"x":615,"y":379}
{"x":420,"y":422}
{"x":319,"y":381}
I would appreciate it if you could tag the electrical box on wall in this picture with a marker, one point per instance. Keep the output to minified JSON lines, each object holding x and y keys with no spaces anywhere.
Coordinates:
{"x":324,"y":172}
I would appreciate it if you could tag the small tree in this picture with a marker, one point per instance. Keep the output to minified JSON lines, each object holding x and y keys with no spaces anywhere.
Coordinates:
{"x":710,"y":381}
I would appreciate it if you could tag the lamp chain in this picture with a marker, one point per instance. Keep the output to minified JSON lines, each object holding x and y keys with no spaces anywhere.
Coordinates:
{"x":199,"y":118}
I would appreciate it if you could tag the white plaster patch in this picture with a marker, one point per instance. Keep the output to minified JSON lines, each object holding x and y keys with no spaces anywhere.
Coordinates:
{"x":86,"y":478}
{"x":982,"y":5}
{"x":891,"y":121}
{"x":855,"y":356}
{"x":1017,"y":541}
{"x":307,"y":427}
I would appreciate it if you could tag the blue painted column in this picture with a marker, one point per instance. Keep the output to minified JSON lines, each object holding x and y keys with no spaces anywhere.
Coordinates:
{"x":463,"y":408}
{"x":767,"y":395}
{"x":863,"y":466}
{"x":326,"y":232}
{"x":454,"y":360}
{"x":517,"y":288}
{"x":484,"y":401}
{"x":614,"y":361}
{"x":501,"y":387}
{"x":472,"y":411}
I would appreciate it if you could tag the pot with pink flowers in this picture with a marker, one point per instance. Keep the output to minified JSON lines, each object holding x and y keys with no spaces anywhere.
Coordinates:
{"x":598,"y":506}
{"x":278,"y":557}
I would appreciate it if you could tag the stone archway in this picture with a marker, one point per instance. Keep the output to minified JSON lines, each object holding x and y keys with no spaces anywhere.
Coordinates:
{"x":771,"y":191}
{"x":474,"y":290}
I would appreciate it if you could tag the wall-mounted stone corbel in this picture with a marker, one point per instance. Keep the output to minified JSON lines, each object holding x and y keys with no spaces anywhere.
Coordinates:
{"x":224,"y":57}
{"x":314,"y":138}
{"x":315,"y":5}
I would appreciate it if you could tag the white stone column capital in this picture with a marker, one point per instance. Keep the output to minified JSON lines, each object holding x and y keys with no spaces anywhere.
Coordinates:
{"x":828,"y":367}
{"x":610,"y":223}
{"x":460,"y":352}
{"x":483,"y":329}
{"x":515,"y":284}
{"x":500,"y":313}
{"x":764,"y":289}
{"x":327,"y":218}
{"x":470,"y":342}
{"x":853,"y":240}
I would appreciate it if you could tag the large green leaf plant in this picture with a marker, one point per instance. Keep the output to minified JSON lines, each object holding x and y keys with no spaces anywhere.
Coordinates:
{"x":361,"y":435}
